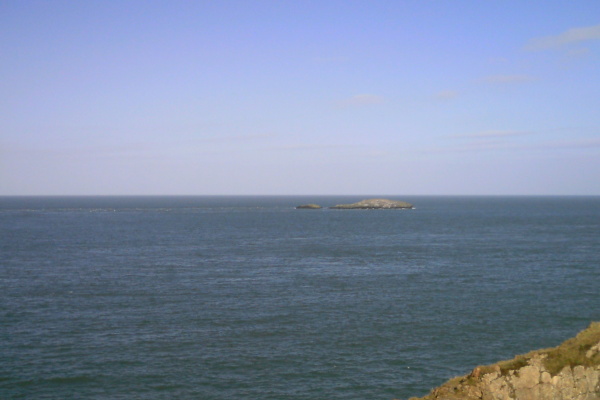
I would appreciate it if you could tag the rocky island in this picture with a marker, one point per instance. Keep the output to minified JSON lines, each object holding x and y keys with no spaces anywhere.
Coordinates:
{"x":309,"y":207}
{"x":375,"y":204}
{"x":570,"y":371}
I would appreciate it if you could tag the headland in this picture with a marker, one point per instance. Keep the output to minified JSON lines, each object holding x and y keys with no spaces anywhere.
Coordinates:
{"x":570,"y":371}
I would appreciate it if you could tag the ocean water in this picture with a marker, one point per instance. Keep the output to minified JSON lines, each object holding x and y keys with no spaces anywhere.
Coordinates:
{"x":246,"y":297}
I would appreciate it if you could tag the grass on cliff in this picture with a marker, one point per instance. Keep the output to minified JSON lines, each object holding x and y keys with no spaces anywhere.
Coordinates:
{"x":570,"y":353}
{"x":573,"y":351}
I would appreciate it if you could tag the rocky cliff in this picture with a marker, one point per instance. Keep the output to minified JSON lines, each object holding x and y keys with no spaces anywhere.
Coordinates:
{"x":570,"y":371}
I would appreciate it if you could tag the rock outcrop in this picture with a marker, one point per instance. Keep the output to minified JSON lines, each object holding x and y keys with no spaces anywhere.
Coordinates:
{"x":570,"y":371}
{"x":309,"y":207}
{"x":375,"y":204}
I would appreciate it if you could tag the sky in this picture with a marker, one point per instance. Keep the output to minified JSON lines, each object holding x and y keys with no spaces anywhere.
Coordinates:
{"x":258,"y":97}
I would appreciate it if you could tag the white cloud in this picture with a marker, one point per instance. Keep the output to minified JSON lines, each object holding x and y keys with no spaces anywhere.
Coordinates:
{"x":361,"y":100}
{"x":574,"y":35}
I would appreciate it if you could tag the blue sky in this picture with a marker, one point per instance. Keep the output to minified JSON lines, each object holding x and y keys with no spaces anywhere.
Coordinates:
{"x":299,"y":97}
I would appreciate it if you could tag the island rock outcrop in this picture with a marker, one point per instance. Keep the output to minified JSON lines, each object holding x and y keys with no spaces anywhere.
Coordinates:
{"x":375,"y":204}
{"x":570,"y":371}
{"x":309,"y":207}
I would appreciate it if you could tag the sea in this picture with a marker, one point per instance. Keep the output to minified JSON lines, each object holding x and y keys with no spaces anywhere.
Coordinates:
{"x":246,"y":297}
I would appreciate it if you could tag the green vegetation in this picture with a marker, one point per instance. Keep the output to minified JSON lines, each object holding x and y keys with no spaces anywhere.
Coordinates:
{"x":505,"y":366}
{"x":582,"y":350}
{"x":570,"y":353}
{"x":574,"y":351}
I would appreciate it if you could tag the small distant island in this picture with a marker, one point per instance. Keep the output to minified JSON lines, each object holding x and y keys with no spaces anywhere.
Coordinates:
{"x":309,"y":207}
{"x":375,"y":204}
{"x":369,"y":204}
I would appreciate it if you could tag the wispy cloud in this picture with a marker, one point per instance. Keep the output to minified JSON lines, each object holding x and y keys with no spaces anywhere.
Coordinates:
{"x":331,"y":59}
{"x":361,"y":100}
{"x":582,"y":143}
{"x":308,"y":147}
{"x":238,"y":138}
{"x":498,"y":60}
{"x":474,"y":146}
{"x":79,"y":151}
{"x":491,"y":134}
{"x":135,"y":150}
{"x":484,"y":141}
{"x":377,"y":153}
{"x":573,"y":35}
{"x":446,"y":95}
{"x":491,"y":141}
{"x":576,"y":53}
{"x":507,"y":79}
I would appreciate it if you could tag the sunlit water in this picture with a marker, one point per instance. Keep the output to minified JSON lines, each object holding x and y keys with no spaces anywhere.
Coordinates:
{"x":246,"y":297}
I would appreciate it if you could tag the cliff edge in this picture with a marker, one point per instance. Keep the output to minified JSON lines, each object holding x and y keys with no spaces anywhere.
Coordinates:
{"x":570,"y":371}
